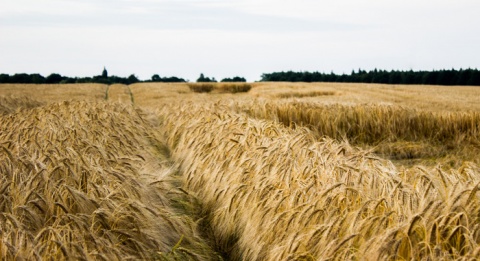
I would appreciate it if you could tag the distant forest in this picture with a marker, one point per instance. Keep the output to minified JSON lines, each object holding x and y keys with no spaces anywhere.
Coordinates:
{"x":104,"y":78}
{"x":440,"y":77}
{"x":55,"y":78}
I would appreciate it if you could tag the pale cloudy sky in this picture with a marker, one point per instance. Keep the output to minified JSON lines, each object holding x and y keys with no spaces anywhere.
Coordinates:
{"x":227,"y":38}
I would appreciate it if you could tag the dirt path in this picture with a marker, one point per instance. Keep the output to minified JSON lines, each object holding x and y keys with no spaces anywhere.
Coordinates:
{"x":119,"y":93}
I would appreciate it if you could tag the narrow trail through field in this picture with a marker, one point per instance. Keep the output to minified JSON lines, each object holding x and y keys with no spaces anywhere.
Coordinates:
{"x":86,"y":181}
{"x":119,"y":93}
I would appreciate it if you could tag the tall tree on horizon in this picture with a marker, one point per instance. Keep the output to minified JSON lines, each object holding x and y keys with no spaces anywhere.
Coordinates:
{"x":104,"y":73}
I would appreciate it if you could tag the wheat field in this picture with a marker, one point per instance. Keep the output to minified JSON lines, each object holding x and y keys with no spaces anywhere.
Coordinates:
{"x":262,"y":171}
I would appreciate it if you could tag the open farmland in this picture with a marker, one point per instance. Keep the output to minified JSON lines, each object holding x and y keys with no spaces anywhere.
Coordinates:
{"x":285,"y":171}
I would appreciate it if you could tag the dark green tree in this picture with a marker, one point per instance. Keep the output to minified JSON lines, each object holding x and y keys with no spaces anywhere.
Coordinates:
{"x":104,"y":73}
{"x":4,"y":78}
{"x":132,"y":79}
{"x":156,"y":78}
{"x":234,"y":79}
{"x":20,"y":78}
{"x":202,"y":78}
{"x":54,"y":78}
{"x":474,"y":78}
{"x":37,"y":78}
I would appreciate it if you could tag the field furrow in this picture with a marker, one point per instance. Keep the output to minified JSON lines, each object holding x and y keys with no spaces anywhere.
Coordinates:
{"x":120,"y":93}
{"x":274,"y":193}
{"x":91,"y":181}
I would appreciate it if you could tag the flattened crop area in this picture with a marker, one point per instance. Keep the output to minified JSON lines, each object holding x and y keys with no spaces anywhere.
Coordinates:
{"x":276,"y":193}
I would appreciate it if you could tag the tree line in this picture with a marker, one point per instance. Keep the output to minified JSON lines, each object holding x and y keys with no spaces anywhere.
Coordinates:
{"x":436,"y":77}
{"x":55,"y":78}
{"x":202,"y":78}
{"x":104,"y":78}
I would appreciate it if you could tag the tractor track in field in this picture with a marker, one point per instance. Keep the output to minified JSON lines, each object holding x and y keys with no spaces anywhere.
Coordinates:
{"x":119,"y":93}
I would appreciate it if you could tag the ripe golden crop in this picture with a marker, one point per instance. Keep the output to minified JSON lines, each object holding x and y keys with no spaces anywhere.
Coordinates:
{"x":281,"y":172}
{"x":275,"y":193}
{"x":83,"y":180}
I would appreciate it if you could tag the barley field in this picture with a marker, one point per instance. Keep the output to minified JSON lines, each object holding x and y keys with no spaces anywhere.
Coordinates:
{"x":261,"y":171}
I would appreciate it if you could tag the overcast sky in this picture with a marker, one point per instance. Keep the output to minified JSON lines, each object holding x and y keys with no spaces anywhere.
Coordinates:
{"x":227,"y":38}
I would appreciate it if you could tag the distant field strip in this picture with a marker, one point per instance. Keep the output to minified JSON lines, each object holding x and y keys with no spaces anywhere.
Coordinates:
{"x":377,"y":125}
{"x":372,"y":123}
{"x":304,"y":94}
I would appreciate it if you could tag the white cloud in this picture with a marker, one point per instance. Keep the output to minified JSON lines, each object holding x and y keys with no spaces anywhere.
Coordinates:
{"x":46,"y":7}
